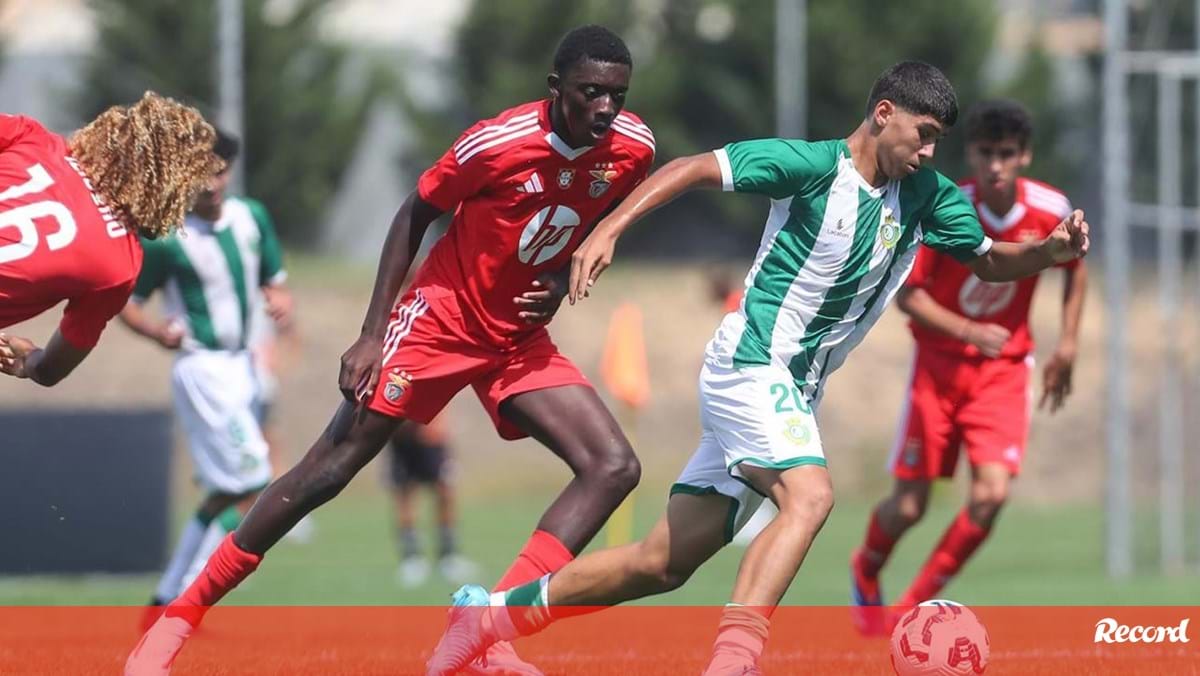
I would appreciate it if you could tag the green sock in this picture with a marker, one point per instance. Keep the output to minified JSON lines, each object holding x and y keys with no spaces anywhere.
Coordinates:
{"x":524,"y":610}
{"x":229,"y":519}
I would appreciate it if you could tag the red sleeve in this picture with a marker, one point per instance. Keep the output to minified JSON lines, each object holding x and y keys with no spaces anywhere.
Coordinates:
{"x":923,"y":268}
{"x":460,"y":173}
{"x":85,"y":316}
{"x":13,"y":128}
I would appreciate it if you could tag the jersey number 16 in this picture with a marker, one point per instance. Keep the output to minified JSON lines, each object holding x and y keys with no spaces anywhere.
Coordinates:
{"x":24,"y":218}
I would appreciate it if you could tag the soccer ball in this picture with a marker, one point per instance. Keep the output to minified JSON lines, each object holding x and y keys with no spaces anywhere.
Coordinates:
{"x":939,"y":637}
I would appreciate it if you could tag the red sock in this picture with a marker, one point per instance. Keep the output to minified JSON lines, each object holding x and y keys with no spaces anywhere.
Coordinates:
{"x":876,"y":548}
{"x":226,"y":568}
{"x":959,"y":542}
{"x":543,"y":554}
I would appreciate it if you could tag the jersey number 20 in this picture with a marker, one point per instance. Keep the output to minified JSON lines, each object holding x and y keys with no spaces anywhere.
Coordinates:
{"x":23,"y":218}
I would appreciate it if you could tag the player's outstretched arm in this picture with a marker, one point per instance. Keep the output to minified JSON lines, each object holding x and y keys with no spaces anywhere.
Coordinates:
{"x":675,"y":178}
{"x":134,"y":316}
{"x":1056,"y":375}
{"x":1007,"y":261}
{"x":20,"y":358}
{"x":361,"y":364}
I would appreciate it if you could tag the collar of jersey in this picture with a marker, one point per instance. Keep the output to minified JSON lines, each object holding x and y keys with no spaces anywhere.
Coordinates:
{"x":1001,"y":223}
{"x":996,"y":222}
{"x":862,"y":182}
{"x":563,"y":149}
{"x":560,"y":146}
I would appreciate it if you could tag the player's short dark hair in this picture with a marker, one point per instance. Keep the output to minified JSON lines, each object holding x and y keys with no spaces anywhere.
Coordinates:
{"x":919,"y":88}
{"x":226,"y":146}
{"x":590,"y":42}
{"x":999,"y":119}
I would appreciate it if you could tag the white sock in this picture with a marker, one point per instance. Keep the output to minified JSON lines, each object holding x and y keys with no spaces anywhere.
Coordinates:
{"x":212,"y":539}
{"x":171,"y":583}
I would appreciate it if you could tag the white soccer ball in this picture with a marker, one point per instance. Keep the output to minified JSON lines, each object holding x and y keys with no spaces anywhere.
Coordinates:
{"x":939,"y":637}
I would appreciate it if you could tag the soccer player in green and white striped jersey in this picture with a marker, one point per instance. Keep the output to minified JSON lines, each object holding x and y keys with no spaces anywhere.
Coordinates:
{"x":216,"y":277}
{"x":846,"y":218}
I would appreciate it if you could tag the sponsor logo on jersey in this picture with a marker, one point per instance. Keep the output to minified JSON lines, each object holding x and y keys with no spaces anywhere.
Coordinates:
{"x":533,"y":184}
{"x":397,"y":385}
{"x":565,"y":178}
{"x":838,"y":230}
{"x":547,"y":233}
{"x":602,"y":178}
{"x":1109,"y":630}
{"x":796,"y":430}
{"x":978,"y":298}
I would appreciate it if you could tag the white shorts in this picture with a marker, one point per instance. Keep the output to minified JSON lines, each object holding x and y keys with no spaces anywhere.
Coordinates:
{"x":214,"y":400}
{"x":750,"y":416}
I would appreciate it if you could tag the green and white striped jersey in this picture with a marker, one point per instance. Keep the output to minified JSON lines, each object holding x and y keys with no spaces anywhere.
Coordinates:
{"x":833,"y":254}
{"x":211,"y":273}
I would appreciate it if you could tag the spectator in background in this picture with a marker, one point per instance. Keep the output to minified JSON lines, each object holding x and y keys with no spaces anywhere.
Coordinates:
{"x":419,"y":456}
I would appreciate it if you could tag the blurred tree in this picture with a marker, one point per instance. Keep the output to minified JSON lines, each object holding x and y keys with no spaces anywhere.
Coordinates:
{"x":304,"y":108}
{"x":703,"y":76}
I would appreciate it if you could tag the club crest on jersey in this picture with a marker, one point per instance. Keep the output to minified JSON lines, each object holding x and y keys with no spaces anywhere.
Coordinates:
{"x":796,"y":431}
{"x":602,"y":178}
{"x":398,"y":384}
{"x":889,"y":231}
{"x":565,"y":178}
{"x":912,"y":452}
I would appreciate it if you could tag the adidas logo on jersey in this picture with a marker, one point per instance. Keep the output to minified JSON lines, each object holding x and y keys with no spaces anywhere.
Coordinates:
{"x":532,"y":184}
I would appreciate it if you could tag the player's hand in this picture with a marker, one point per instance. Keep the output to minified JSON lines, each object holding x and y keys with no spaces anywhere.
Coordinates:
{"x":361,"y":365}
{"x":279,"y":304}
{"x":13,"y":354}
{"x":539,"y":305}
{"x":1069,"y":240}
{"x":588,"y":262}
{"x":170,"y":336}
{"x":1056,"y":378}
{"x":989,"y":338}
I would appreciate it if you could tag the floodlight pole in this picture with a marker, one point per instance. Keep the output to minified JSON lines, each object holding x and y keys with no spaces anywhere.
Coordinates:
{"x":791,"y":68}
{"x":1170,"y":262}
{"x":1118,"y":507}
{"x":230,"y":77}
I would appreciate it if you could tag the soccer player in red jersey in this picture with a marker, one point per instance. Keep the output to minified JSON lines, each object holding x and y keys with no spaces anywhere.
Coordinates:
{"x":71,"y":212}
{"x":524,"y":188}
{"x":970,"y":383}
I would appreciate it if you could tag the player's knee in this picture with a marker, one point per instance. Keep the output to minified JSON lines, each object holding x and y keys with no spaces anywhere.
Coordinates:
{"x":986,"y":502}
{"x":811,"y":501}
{"x":989,"y":494}
{"x":910,"y":508}
{"x":908,"y":501}
{"x":619,"y":470}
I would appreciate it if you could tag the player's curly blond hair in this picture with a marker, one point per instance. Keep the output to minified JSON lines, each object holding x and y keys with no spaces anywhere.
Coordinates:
{"x":148,"y":161}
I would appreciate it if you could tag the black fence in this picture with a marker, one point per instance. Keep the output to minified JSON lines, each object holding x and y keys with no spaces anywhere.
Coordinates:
{"x":84,"y":491}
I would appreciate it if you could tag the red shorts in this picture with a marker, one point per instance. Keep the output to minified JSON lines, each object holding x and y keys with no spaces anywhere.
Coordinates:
{"x":955,"y":400}
{"x":429,"y":356}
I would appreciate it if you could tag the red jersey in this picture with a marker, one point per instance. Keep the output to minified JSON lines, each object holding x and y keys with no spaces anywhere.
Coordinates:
{"x":524,"y":201}
{"x":1038,"y":209}
{"x":58,"y":241}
